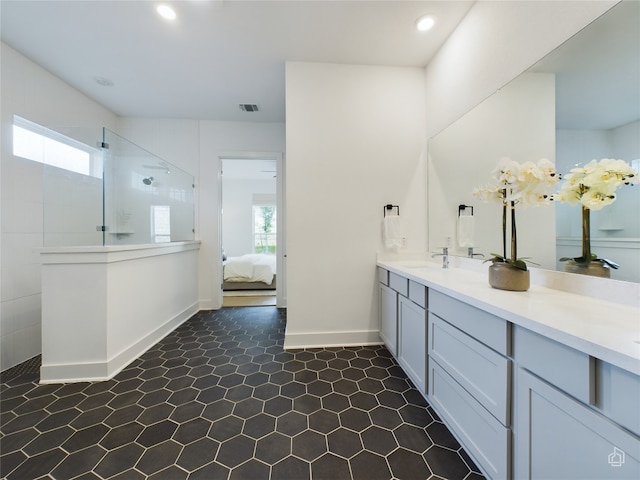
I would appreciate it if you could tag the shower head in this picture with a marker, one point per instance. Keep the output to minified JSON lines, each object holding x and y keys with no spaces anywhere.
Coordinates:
{"x":147,"y":181}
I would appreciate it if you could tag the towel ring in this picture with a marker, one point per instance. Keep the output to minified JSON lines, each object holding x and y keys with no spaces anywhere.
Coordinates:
{"x":463,"y":207}
{"x":389,"y":207}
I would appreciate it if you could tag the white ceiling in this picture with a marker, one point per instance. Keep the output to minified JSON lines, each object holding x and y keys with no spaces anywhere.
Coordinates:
{"x":217,"y":53}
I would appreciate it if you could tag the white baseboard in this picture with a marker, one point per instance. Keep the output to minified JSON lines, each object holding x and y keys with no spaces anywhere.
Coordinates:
{"x":100,"y":371}
{"x":331,"y":339}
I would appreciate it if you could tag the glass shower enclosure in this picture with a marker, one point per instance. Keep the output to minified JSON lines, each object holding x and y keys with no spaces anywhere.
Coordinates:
{"x":108,"y":191}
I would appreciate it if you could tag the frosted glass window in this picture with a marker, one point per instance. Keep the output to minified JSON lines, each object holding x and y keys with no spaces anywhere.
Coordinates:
{"x":37,"y":143}
{"x":161,"y":223}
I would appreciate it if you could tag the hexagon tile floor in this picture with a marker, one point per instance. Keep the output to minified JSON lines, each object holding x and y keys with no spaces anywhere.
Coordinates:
{"x":219,"y":398}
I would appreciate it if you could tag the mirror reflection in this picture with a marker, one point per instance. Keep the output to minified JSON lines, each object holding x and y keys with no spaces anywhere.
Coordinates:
{"x":579,"y":103}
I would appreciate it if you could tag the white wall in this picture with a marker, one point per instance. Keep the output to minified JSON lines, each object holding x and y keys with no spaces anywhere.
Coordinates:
{"x":33,"y":93}
{"x":237,"y":218}
{"x":354,"y":144}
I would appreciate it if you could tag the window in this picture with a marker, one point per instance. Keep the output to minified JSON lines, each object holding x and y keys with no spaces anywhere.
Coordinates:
{"x":160,"y":223}
{"x":40,"y":144}
{"x":264,"y":229}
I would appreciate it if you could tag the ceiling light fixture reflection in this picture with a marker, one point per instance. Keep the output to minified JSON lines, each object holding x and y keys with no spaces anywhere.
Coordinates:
{"x":425,"y":23}
{"x":166,"y":12}
{"x":103,"y":81}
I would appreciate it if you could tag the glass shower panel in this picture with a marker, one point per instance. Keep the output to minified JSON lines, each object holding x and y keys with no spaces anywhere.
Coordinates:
{"x":71,"y":186}
{"x":146,"y":199}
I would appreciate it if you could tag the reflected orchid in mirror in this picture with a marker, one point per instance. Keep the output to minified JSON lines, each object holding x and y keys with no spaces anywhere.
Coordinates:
{"x":593,"y":186}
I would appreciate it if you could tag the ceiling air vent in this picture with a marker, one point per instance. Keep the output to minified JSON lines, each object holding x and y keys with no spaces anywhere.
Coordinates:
{"x":249,"y":107}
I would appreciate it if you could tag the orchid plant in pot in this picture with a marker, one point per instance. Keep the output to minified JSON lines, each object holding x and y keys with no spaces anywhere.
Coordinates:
{"x":593,"y":186}
{"x":525,"y":184}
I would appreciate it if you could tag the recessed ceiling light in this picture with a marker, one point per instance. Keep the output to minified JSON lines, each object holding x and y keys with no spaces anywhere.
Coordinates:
{"x":166,"y":11}
{"x":425,"y":23}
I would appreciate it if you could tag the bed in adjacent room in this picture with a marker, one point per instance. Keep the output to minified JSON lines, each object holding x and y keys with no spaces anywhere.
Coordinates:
{"x":254,"y":271}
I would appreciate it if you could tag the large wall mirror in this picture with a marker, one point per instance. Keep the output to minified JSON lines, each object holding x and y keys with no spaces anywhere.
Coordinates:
{"x":581,"y":102}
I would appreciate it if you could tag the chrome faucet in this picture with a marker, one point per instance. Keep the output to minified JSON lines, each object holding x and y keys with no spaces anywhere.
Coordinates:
{"x":445,"y":256}
{"x":470,"y":253}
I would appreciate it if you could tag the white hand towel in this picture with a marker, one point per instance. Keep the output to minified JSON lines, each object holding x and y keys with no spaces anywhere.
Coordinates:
{"x":465,"y":230}
{"x":392,"y":231}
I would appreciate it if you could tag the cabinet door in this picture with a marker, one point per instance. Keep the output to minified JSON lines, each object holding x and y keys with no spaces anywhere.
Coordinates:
{"x":388,"y":311}
{"x":412,"y":341}
{"x":560,"y":438}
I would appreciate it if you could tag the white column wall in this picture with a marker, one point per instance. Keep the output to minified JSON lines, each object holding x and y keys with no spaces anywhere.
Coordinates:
{"x":33,"y":93}
{"x":224,"y":139}
{"x":354,"y":144}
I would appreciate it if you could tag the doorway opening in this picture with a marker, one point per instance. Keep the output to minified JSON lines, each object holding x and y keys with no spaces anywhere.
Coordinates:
{"x":252,"y":240}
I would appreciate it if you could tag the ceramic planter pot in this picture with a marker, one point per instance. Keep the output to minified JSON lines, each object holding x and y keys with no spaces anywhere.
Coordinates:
{"x":595,"y":268}
{"x":504,"y":276}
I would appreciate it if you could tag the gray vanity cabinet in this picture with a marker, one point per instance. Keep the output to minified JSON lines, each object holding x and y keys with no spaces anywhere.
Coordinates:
{"x":412,"y":341}
{"x":403,"y":323}
{"x":470,"y":379}
{"x":558,"y":437}
{"x":575,"y":416}
{"x":524,"y":405}
{"x":388,"y":308}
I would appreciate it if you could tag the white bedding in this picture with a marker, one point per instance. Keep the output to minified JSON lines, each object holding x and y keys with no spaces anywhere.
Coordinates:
{"x":253,"y":267}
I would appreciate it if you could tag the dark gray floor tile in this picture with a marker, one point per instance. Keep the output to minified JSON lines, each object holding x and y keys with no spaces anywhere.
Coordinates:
{"x":236,"y":451}
{"x":330,"y":467}
{"x":379,"y":440}
{"x":344,"y":443}
{"x":273,"y":448}
{"x":218,"y":398}
{"x":408,"y":465}
{"x":369,"y":466}
{"x":251,"y":470}
{"x":309,"y":445}
{"x":446,"y":463}
{"x":80,"y":462}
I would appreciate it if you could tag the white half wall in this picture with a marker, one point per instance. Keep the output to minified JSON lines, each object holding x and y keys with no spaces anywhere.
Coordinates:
{"x":354,"y":143}
{"x":102,"y":307}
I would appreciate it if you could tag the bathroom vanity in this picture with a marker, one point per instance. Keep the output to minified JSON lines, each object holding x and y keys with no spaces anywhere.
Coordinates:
{"x":536,"y":384}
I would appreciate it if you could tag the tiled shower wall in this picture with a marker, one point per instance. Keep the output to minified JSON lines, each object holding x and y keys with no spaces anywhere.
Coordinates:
{"x":32,"y":93}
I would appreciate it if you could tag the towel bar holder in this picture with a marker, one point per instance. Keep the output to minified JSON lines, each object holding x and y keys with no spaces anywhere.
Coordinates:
{"x":388,"y":207}
{"x":463,"y":207}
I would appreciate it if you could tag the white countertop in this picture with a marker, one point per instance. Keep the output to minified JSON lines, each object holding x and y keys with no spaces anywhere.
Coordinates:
{"x":605,"y":330}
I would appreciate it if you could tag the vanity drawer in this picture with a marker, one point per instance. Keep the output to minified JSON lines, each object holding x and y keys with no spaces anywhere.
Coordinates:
{"x":488,"y":329}
{"x":383,"y":276}
{"x":418,"y":293}
{"x":566,"y":368}
{"x":484,"y":438}
{"x":399,"y":284}
{"x":481,"y":371}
